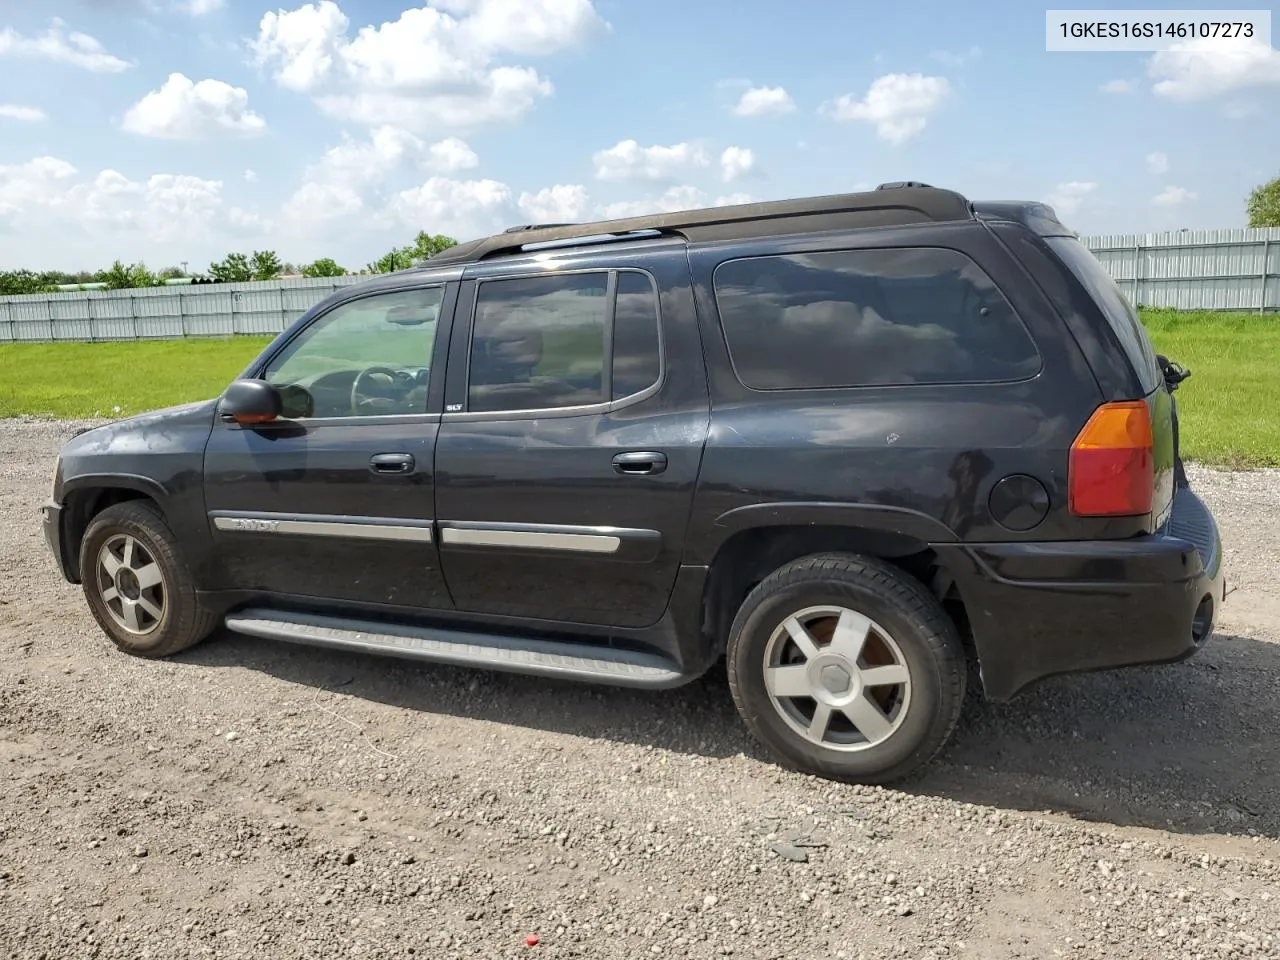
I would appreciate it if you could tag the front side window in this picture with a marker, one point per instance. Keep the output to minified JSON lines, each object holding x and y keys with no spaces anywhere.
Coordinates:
{"x":366,"y":357}
{"x":869,"y":317}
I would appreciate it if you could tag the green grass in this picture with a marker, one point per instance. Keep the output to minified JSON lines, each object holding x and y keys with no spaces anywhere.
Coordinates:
{"x":92,"y":379}
{"x":1229,"y":410}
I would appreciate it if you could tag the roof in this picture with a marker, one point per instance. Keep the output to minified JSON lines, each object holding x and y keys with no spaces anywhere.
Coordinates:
{"x":888,"y":205}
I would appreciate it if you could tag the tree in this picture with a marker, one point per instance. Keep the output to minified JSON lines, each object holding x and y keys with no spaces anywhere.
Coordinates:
{"x":426,"y":246}
{"x":233,"y":268}
{"x":170,"y":273}
{"x":56,"y":277}
{"x":15,"y":283}
{"x":265,"y":265}
{"x":401,"y":258}
{"x":324,"y":267}
{"x":1264,"y":205}
{"x":122,"y":276}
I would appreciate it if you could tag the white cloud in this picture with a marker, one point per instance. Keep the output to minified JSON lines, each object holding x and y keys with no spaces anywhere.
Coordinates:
{"x":562,"y":203}
{"x":526,"y":27}
{"x":1201,"y":69}
{"x":250,"y":175}
{"x":248,"y":223}
{"x":433,"y":67}
{"x":348,"y":175}
{"x":627,"y":160}
{"x":733,"y":199}
{"x":451,"y":155}
{"x":736,"y":162}
{"x":199,"y":8}
{"x":56,"y":44}
{"x":764,"y":102}
{"x":1067,"y":198}
{"x":899,"y":104}
{"x":185,"y":110}
{"x":47,"y":195}
{"x":443,"y":205}
{"x":9,"y":111}
{"x":315,"y":203}
{"x":1118,"y":86}
{"x":957,"y":59}
{"x":673,"y":199}
{"x":40,"y":182}
{"x":1158,"y":163}
{"x":1174,"y":197}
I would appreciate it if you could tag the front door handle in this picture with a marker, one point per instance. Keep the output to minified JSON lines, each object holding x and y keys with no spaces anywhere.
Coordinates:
{"x":641,"y":463}
{"x":391,"y":463}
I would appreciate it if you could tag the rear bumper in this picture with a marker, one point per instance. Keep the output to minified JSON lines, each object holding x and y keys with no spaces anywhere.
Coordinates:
{"x":1039,"y":609}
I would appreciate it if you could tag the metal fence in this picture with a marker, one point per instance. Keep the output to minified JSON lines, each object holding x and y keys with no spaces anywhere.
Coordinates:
{"x":1188,"y":270}
{"x":149,"y":313}
{"x":1195,"y":269}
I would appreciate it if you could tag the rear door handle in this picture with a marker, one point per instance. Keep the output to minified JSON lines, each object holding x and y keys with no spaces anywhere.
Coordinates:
{"x":391,"y":463}
{"x":640,"y":463}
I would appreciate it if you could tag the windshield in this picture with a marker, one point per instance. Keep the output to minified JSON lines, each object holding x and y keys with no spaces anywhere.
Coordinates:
{"x":1114,"y":305}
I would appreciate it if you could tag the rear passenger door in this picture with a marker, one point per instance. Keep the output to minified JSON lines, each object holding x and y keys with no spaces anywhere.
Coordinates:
{"x":576,"y":410}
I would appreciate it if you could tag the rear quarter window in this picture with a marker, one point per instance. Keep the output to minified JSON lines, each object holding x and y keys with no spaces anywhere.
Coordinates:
{"x":1115,"y":306}
{"x":869,"y":318}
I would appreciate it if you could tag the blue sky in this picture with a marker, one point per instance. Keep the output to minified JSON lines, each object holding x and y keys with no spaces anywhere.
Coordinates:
{"x":177,"y":130}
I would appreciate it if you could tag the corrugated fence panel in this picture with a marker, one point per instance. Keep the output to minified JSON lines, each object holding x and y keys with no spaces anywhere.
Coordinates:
{"x":1235,"y":269}
{"x":1195,"y":269}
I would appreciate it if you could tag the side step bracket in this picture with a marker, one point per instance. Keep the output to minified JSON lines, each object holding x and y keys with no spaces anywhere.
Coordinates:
{"x":548,"y":658}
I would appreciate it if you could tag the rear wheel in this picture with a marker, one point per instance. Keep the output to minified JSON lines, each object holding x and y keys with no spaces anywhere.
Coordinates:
{"x":138,"y":586}
{"x":846,"y":667}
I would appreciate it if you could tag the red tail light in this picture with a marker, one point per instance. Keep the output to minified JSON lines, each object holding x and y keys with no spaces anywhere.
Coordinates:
{"x":1111,"y":472}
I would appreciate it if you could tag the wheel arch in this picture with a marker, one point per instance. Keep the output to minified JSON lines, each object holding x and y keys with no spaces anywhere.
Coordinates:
{"x":83,"y":498}
{"x":759,"y":540}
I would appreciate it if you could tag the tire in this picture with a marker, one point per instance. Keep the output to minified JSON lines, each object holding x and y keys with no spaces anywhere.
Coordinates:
{"x":162,"y":582}
{"x":915,"y":700}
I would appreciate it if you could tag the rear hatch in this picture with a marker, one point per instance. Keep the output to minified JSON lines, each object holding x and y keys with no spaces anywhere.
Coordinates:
{"x":1152,"y":386}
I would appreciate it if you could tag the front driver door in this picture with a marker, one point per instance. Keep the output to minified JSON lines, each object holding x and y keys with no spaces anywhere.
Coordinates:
{"x":335,"y":500}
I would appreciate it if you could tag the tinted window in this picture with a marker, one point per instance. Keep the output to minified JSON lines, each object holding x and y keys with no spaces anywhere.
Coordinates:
{"x":636,"y":355}
{"x":1114,"y":305}
{"x":864,"y":317}
{"x":538,"y":343}
{"x":367,"y":357}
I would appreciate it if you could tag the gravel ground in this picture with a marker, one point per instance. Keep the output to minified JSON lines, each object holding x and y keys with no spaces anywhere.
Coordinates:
{"x":254,"y":800}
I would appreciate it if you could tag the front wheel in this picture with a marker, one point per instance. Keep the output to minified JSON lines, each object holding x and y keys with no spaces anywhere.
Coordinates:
{"x":845,"y":667}
{"x":138,"y":586}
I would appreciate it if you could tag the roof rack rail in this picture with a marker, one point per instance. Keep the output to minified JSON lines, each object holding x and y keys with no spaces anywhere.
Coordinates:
{"x":535,"y":226}
{"x":905,"y":204}
{"x":901,"y":185}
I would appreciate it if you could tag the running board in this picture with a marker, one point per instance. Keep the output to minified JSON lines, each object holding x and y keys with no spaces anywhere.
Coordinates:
{"x":547,"y":658}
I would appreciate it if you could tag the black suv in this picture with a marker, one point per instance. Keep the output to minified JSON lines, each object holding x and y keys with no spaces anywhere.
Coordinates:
{"x":868,"y":448}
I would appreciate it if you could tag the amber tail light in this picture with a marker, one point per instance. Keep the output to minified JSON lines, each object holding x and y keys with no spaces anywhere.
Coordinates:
{"x":1111,"y":471}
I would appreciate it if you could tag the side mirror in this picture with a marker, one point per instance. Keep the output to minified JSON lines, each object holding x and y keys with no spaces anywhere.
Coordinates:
{"x":250,"y":401}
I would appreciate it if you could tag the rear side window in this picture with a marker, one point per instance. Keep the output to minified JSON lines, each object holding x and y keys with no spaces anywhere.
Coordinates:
{"x":868,"y":318}
{"x":550,"y":342}
{"x":1114,"y":305}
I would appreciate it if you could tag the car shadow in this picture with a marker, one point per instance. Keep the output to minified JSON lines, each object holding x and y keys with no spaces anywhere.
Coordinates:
{"x":1192,"y":747}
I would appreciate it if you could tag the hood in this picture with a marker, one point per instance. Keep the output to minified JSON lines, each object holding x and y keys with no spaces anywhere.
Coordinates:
{"x":143,"y":431}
